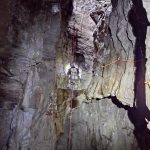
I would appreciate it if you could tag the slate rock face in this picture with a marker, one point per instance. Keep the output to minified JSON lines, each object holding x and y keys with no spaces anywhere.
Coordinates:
{"x":28,"y":73}
{"x":98,"y":125}
{"x":109,"y":44}
{"x":115,"y":69}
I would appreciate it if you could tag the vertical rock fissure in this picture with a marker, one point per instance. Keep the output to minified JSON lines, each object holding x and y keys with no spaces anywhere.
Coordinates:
{"x":141,"y":132}
{"x":139,"y":112}
{"x":137,"y":19}
{"x":139,"y":22}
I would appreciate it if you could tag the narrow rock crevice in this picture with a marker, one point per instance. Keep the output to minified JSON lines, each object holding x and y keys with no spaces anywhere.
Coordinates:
{"x":139,"y":112}
{"x":141,"y":132}
{"x":128,"y":35}
{"x":139,"y":22}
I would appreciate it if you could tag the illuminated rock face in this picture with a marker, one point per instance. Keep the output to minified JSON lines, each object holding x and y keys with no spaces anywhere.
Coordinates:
{"x":108,"y":55}
{"x":107,"y":41}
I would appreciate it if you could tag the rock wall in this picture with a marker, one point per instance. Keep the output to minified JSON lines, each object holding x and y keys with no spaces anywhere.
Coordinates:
{"x":111,"y":40}
{"x":98,"y":125}
{"x":108,"y":42}
{"x":28,"y":77}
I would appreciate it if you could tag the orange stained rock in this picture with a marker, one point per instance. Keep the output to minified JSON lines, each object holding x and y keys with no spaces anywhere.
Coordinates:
{"x":148,"y":83}
{"x":121,"y":61}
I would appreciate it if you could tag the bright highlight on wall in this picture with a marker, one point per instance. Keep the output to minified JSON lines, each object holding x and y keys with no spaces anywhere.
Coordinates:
{"x":68,"y":66}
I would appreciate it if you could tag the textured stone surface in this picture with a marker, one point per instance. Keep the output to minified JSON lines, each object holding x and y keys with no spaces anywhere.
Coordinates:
{"x":28,"y":75}
{"x":109,"y":59}
{"x":145,"y":3}
{"x":35,"y":52}
{"x":6,"y":118}
{"x":94,"y":126}
{"x":113,"y":66}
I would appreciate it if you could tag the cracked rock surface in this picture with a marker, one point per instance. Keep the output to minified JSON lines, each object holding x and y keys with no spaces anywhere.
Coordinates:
{"x":109,"y":44}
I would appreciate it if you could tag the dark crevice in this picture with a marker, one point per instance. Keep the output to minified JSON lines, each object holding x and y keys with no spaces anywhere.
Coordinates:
{"x":114,"y":3}
{"x":141,"y":132}
{"x":128,"y":35}
{"x":139,"y":22}
{"x":139,"y":112}
{"x":66,"y":11}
